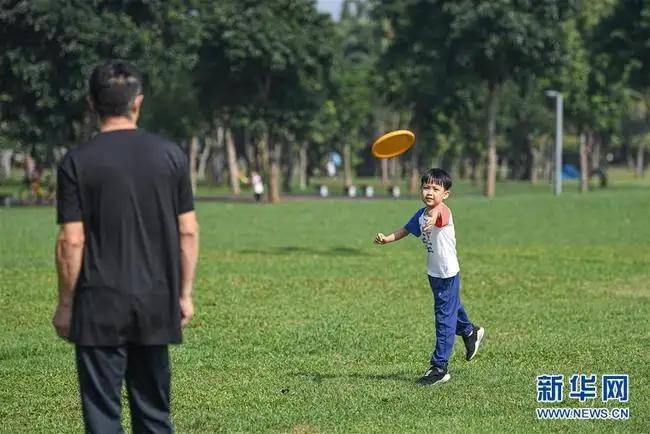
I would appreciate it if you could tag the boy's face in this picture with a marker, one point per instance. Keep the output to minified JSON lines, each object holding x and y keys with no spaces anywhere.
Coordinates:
{"x":433,"y":194}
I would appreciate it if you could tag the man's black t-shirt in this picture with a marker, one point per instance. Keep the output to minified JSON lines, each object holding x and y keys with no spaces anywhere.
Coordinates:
{"x":128,"y":188}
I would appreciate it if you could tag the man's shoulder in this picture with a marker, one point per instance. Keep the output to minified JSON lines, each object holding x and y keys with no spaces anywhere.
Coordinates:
{"x":137,"y":135}
{"x":153,"y":137}
{"x":167,"y":145}
{"x":157,"y":141}
{"x":99,"y":144}
{"x":76,"y":151}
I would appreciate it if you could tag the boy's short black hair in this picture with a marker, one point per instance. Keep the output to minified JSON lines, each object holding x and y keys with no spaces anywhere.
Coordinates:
{"x":114,"y":86}
{"x":437,"y":176}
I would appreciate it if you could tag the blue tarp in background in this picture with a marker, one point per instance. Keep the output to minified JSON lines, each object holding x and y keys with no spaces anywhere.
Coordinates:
{"x":569,"y":171}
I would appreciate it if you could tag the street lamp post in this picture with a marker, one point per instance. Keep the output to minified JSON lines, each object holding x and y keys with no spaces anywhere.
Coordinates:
{"x":558,"y":139}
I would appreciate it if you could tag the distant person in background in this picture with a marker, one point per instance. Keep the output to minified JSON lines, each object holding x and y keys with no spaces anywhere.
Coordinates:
{"x":258,"y":185}
{"x":126,"y":254}
{"x":29,"y":170}
{"x":330,"y":168}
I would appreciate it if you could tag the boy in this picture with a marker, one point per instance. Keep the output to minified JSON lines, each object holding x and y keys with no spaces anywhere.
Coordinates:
{"x":435,"y":226}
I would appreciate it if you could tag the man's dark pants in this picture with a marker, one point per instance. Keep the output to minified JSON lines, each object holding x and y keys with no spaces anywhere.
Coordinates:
{"x":147,"y":372}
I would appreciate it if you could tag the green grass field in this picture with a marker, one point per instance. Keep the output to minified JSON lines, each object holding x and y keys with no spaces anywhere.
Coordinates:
{"x":304,"y":326}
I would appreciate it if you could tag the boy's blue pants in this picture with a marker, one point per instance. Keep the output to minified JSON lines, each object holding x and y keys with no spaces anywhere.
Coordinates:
{"x":450,"y":318}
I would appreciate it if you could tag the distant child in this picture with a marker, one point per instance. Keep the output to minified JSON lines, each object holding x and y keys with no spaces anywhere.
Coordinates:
{"x":258,"y":186}
{"x":434,"y":225}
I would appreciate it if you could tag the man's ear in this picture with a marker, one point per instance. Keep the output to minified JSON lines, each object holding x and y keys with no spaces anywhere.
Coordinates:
{"x":445,"y":195}
{"x":137,"y":103}
{"x":135,"y":108}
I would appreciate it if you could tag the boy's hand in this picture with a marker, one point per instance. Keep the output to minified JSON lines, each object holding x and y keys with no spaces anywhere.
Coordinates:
{"x":380,"y":239}
{"x":432,"y":217}
{"x":438,"y":216}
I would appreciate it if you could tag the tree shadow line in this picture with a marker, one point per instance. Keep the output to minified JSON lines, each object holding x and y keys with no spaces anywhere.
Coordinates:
{"x":318,"y":377}
{"x":296,"y":250}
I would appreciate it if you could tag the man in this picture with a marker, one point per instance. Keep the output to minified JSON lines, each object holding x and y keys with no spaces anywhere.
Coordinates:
{"x":126,"y":254}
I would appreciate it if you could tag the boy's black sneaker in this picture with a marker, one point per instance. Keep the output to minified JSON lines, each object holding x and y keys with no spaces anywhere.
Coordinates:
{"x":473,"y":341}
{"x":434,"y":375}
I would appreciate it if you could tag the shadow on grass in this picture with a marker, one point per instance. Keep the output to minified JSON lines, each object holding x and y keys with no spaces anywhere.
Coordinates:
{"x":295,"y":250}
{"x":317,"y":377}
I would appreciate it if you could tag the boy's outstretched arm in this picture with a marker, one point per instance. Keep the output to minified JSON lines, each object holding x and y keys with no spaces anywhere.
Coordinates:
{"x":395,"y":236}
{"x":438,"y":216}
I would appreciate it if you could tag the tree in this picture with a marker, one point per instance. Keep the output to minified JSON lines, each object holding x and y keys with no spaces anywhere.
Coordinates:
{"x":272,"y":75}
{"x":621,"y":38}
{"x":575,"y":80}
{"x":638,"y":123}
{"x":527,"y":125}
{"x":405,"y":81}
{"x":354,"y":76}
{"x":461,"y":42}
{"x":48,"y":50}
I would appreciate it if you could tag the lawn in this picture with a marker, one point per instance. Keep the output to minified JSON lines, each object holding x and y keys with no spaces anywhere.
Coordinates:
{"x":304,"y":326}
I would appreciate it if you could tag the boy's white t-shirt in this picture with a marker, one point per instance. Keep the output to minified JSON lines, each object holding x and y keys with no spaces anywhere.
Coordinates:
{"x":440,"y":244}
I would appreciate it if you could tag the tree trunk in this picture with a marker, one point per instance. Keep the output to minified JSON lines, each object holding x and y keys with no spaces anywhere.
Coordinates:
{"x":474,"y":172}
{"x":491,"y":169}
{"x":347,"y":166}
{"x":5,"y":163}
{"x":627,"y":153}
{"x":548,"y":166}
{"x":640,"y":163}
{"x":584,"y":164}
{"x":534,"y":163}
{"x":192,"y":155}
{"x":384,"y":171}
{"x":414,"y":175}
{"x":603,"y":145}
{"x":275,"y":155}
{"x":203,"y":159}
{"x":595,"y":152}
{"x":503,"y":169}
{"x":216,"y":164}
{"x":302,"y":174}
{"x":462,"y":168}
{"x":216,"y":160}
{"x":250,"y":151}
{"x":263,"y":157}
{"x":392,"y":167}
{"x":288,"y":171}
{"x":233,"y":170}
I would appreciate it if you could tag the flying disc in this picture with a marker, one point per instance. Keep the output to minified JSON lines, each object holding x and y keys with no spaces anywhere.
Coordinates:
{"x":393,"y":144}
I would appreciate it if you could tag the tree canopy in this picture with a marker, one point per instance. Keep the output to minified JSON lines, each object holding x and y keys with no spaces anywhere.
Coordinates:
{"x":287,"y":86}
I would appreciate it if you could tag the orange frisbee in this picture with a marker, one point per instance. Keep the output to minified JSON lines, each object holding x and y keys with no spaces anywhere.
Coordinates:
{"x":393,"y":144}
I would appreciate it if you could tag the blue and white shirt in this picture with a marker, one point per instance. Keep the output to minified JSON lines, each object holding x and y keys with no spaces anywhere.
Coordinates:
{"x":440,"y":244}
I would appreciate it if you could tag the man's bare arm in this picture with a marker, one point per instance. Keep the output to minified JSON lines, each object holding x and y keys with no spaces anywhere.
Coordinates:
{"x":68,"y":256}
{"x":188,"y":230}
